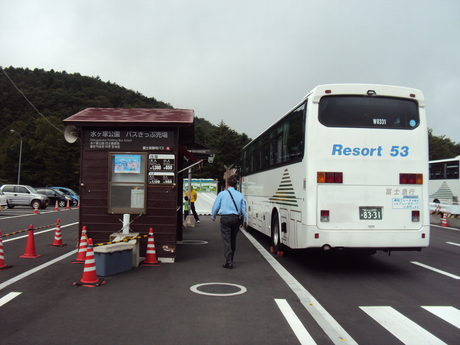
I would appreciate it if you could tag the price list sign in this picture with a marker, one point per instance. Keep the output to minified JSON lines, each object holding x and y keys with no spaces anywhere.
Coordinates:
{"x":161,"y":169}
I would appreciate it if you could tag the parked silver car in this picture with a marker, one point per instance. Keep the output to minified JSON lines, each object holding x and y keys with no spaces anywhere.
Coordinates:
{"x":24,"y":195}
{"x":3,"y":203}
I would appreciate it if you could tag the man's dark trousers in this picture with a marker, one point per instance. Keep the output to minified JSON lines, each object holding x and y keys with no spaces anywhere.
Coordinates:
{"x":229,"y":227}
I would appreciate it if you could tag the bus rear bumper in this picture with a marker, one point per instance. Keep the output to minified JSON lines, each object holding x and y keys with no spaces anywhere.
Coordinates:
{"x":378,"y":240}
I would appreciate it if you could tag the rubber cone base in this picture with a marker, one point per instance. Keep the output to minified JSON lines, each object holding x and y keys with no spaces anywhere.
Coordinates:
{"x":158,"y":263}
{"x":78,"y":261}
{"x":96,"y":284}
{"x":58,"y":245}
{"x":30,"y":256}
{"x":5,"y":267}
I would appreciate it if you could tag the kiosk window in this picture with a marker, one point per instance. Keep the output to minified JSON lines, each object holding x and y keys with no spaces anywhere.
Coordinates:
{"x":127,"y":182}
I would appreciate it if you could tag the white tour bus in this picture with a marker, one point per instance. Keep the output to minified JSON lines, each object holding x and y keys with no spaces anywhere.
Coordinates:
{"x":444,"y":185}
{"x":347,"y":168}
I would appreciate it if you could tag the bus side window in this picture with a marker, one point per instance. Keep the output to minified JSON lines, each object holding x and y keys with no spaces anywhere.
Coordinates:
{"x":452,"y":171}
{"x":437,"y":171}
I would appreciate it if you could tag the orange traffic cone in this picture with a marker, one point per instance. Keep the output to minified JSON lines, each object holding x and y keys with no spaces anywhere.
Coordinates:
{"x":444,"y":220}
{"x":81,"y":257}
{"x":68,"y":205}
{"x":58,"y":236}
{"x":2,"y":258}
{"x":36,"y":208}
{"x":90,"y":278}
{"x":151,"y":256}
{"x":30,"y":247}
{"x":56,"y":207}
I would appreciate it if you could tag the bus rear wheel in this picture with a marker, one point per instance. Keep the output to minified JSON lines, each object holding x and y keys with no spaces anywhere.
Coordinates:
{"x":275,"y":234}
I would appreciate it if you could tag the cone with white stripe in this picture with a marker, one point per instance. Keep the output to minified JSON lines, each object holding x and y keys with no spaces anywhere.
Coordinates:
{"x":151,"y":255}
{"x":90,"y":278}
{"x":444,"y":219}
{"x":2,"y":258}
{"x":82,"y":248}
{"x":58,"y":236}
{"x":56,"y":206}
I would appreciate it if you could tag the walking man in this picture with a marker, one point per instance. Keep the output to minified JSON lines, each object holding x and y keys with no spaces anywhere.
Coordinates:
{"x":230,"y":203}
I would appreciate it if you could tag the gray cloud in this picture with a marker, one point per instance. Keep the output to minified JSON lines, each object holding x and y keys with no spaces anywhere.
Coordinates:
{"x":244,"y":62}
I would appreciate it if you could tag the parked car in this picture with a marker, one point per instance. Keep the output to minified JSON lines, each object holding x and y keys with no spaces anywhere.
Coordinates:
{"x":55,"y":195}
{"x":3,"y":203}
{"x":24,"y":195}
{"x":69,"y":192}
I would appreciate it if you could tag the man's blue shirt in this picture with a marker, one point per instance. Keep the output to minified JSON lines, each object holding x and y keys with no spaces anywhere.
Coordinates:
{"x":225,"y":205}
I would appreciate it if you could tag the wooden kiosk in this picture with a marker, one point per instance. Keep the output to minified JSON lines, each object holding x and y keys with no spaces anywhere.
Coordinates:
{"x":130,"y":160}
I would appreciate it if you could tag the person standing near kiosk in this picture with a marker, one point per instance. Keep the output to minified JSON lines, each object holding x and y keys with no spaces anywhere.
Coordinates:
{"x":192,"y":203}
{"x":231,"y":204}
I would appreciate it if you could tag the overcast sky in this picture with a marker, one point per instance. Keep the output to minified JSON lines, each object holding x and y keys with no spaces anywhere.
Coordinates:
{"x":246,"y":62}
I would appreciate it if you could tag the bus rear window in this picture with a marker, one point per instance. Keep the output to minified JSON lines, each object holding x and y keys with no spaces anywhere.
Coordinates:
{"x":368,"y":112}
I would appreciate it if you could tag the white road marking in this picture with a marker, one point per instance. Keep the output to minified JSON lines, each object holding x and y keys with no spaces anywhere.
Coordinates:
{"x":435,"y":270}
{"x":296,"y":325}
{"x":401,"y":327}
{"x":36,"y":269}
{"x":449,"y":314}
{"x":9,"y":297}
{"x":38,"y":232}
{"x":330,"y":326}
{"x":454,"y":244}
{"x":30,"y":214}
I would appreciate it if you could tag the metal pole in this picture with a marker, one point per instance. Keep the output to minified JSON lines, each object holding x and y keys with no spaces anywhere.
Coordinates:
{"x":189,"y":190}
{"x":20,"y":155}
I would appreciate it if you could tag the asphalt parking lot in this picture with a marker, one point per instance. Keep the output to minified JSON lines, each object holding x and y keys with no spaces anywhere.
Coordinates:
{"x":192,"y":301}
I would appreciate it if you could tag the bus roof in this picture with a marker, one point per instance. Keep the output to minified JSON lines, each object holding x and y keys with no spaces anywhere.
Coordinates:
{"x":355,"y":89}
{"x":445,"y":160}
{"x":367,"y":89}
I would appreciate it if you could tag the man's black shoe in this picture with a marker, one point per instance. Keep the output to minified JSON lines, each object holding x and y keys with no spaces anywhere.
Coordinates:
{"x":227,"y":266}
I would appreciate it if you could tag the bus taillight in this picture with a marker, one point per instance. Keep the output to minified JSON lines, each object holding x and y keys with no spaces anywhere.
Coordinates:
{"x":338,"y":177}
{"x":415,"y":216}
{"x":324,"y":215}
{"x":411,"y":178}
{"x":329,"y":177}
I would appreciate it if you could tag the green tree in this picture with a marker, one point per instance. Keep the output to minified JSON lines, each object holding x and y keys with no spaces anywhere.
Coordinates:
{"x":47,"y":158}
{"x":228,"y":145}
{"x":441,"y":147}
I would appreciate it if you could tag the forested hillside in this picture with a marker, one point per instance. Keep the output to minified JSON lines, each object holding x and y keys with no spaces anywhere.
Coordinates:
{"x":46,"y":157}
{"x":53,"y":96}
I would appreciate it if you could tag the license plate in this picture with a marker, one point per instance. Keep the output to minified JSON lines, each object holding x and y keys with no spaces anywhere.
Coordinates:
{"x":370,"y":213}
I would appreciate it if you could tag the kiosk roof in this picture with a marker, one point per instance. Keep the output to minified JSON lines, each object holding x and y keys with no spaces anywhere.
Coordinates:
{"x":131,"y":117}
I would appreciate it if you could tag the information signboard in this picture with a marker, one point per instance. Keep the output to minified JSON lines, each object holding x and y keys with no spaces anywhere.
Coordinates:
{"x":161,"y":169}
{"x":134,"y":140}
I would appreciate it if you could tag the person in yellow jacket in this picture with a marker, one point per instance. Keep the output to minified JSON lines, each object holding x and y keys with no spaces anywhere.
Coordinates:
{"x":192,"y":203}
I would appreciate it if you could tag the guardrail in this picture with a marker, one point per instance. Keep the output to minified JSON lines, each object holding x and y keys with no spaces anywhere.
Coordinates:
{"x":441,"y":208}
{"x":20,"y":231}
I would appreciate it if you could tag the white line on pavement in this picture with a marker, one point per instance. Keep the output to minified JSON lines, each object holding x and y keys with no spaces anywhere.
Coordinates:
{"x":296,"y":325}
{"x":407,"y":331}
{"x":38,"y":232}
{"x":9,"y":297}
{"x":330,"y":326}
{"x":435,"y":270}
{"x":448,"y":314}
{"x":36,"y":269}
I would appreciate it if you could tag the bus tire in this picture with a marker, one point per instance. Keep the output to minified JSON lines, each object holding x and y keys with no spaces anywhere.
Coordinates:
{"x":275,"y":234}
